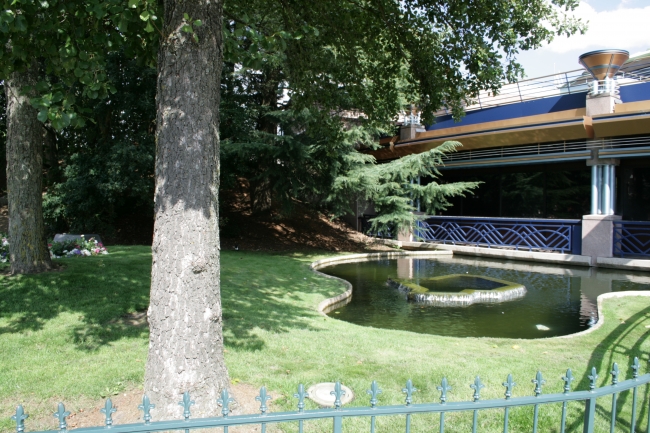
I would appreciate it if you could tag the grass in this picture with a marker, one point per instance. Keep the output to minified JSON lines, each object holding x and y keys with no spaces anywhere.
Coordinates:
{"x":60,"y":338}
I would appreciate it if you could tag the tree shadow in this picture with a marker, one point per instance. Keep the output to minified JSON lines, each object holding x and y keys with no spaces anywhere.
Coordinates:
{"x":95,"y":289}
{"x":615,"y":345}
{"x":273,"y":297}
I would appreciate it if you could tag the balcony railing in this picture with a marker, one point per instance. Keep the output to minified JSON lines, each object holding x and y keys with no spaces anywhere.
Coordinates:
{"x":632,"y":239}
{"x":562,"y":236}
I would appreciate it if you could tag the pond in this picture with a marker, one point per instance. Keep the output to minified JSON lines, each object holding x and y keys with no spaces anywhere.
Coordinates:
{"x":558,"y":300}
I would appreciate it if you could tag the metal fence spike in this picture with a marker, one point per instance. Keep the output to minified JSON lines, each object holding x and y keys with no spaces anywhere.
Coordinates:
{"x":301,"y":395}
{"x":567,"y":378}
{"x":61,"y":414}
{"x":224,"y":402}
{"x":539,"y":382}
{"x":614,"y":374}
{"x":592,"y":379}
{"x":20,"y":418}
{"x":108,"y":410}
{"x":409,"y":390}
{"x":186,"y":403}
{"x":337,"y":393}
{"x":509,"y":384}
{"x":374,"y":391}
{"x":635,"y":368}
{"x":477,"y":386}
{"x":443,"y":388}
{"x":146,"y":407}
{"x":263,"y":398}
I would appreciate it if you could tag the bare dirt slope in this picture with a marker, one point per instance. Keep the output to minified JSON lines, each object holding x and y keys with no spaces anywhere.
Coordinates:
{"x":303,"y":229}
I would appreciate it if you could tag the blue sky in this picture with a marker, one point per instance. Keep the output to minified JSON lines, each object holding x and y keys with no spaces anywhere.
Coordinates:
{"x":623,"y":24}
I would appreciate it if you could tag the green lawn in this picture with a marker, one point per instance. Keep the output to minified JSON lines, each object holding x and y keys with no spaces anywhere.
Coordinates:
{"x":60,"y":339}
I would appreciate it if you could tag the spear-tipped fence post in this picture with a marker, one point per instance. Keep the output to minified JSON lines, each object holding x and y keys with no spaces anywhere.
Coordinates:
{"x":539,"y":382}
{"x":108,"y":410}
{"x":338,"y":393}
{"x":635,"y":377}
{"x":443,"y":388}
{"x":374,"y":392}
{"x":186,"y":404}
{"x":477,"y":386}
{"x":567,"y":378}
{"x":263,"y":398}
{"x":409,"y":390}
{"x":590,"y":404}
{"x":146,"y":407}
{"x":20,"y":416}
{"x":301,"y":395}
{"x":614,"y":373}
{"x":509,"y":384}
{"x":61,"y":414}
{"x":224,"y":402}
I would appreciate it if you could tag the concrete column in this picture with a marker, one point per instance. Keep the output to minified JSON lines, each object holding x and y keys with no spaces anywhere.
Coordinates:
{"x":598,"y":236}
{"x":594,"y":190}
{"x":612,"y":190}
{"x":606,"y":190}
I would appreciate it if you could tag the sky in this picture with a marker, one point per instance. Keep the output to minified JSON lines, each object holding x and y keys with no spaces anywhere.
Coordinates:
{"x":621,"y":24}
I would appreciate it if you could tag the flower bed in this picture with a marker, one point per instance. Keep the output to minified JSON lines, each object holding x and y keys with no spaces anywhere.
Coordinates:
{"x":58,"y":250}
{"x":76,"y":248}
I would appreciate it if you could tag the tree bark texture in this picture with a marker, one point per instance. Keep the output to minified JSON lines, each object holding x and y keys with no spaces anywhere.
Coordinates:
{"x":186,"y":342}
{"x":27,"y":244}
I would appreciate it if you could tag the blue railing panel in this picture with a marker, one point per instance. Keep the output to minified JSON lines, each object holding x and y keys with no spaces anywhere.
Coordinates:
{"x":530,"y":234}
{"x":631,"y":239}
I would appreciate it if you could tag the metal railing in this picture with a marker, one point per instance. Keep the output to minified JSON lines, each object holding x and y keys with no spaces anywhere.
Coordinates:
{"x":473,"y":407}
{"x":553,"y":235}
{"x":631,"y":239}
{"x":563,"y":83}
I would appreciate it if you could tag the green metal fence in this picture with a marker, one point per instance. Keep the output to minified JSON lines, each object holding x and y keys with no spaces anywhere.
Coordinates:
{"x":407,"y":410}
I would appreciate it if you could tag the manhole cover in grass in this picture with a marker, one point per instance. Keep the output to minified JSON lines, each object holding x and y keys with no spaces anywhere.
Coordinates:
{"x":321,"y":393}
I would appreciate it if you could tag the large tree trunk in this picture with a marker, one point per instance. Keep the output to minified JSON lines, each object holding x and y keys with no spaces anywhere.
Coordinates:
{"x":186,"y":343}
{"x":27,"y":243}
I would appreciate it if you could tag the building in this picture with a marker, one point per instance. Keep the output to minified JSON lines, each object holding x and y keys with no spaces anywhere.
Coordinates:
{"x":579,"y":139}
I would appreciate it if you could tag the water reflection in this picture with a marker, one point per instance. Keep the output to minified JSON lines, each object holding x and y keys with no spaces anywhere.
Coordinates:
{"x":562,"y":299}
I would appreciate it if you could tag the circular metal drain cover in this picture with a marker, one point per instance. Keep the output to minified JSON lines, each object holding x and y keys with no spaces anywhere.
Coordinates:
{"x":320,"y":393}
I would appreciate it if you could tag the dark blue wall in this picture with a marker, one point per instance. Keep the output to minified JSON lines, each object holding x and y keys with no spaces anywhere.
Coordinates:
{"x":633,"y":93}
{"x":636,"y":92}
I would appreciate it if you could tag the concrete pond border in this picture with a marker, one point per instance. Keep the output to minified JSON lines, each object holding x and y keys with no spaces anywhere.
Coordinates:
{"x":335,"y":302}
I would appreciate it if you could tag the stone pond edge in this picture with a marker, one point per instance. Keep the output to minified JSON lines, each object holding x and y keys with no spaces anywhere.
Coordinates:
{"x":349,"y":258}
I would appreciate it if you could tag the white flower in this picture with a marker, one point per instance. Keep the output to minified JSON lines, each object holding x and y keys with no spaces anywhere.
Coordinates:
{"x":86,"y":253}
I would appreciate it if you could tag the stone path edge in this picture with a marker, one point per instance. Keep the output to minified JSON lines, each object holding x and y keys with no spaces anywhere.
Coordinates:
{"x":350,"y":258}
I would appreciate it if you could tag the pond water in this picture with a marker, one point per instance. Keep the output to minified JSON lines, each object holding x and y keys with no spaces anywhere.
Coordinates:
{"x":558,"y":300}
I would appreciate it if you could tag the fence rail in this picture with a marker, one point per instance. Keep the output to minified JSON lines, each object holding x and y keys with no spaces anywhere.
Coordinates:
{"x":632,"y":238}
{"x":563,"y":236}
{"x":563,"y":83}
{"x":338,"y":413}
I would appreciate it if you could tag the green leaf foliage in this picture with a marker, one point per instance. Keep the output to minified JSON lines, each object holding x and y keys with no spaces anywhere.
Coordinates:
{"x":108,"y":162}
{"x":72,"y":39}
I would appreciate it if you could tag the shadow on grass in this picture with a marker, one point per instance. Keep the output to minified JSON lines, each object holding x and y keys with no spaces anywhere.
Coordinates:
{"x":260,"y":293}
{"x":272,"y":293}
{"x":619,"y":342}
{"x":95,"y":289}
